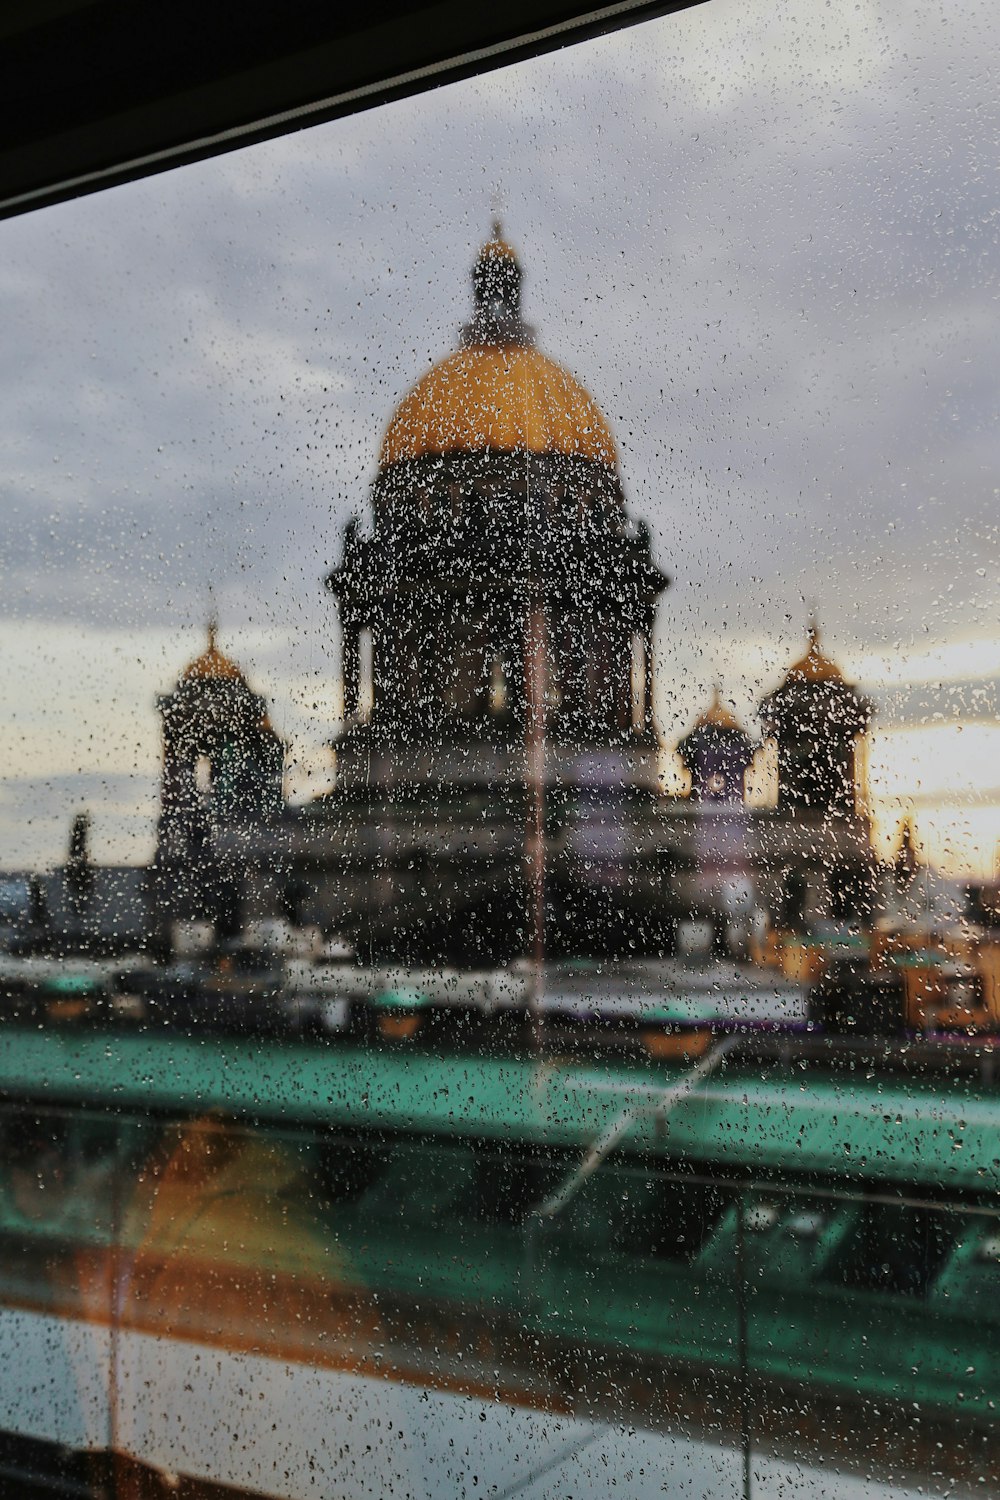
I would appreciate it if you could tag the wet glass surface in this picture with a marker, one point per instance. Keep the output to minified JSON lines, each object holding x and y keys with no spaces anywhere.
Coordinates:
{"x":499,"y":911}
{"x":451,"y":1315}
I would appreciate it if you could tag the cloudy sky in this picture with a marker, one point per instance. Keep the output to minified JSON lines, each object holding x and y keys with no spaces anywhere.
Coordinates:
{"x":765,"y":237}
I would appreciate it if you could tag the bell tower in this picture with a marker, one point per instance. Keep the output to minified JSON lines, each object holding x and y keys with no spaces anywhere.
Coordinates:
{"x":222,"y":770}
{"x":820,"y":838}
{"x":716,"y":752}
{"x":817,"y":719}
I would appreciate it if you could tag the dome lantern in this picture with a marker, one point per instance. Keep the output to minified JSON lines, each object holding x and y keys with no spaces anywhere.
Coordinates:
{"x":496,"y":284}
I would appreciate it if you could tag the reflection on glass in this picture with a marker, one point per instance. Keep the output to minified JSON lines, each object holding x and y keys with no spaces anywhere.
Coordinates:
{"x":646,"y":1293}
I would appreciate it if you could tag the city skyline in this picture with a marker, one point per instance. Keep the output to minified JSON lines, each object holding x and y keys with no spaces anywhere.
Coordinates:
{"x":805,"y":417}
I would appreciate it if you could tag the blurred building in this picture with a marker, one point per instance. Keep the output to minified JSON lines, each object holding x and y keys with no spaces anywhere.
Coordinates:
{"x":499,"y":763}
{"x":813,"y":850}
{"x":222,"y":786}
{"x":499,"y":776}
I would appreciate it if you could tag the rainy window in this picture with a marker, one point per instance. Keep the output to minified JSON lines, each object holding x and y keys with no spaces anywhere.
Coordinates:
{"x":499,"y":896}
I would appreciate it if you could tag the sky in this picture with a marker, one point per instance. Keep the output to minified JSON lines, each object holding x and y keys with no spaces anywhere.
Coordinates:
{"x":763,"y":235}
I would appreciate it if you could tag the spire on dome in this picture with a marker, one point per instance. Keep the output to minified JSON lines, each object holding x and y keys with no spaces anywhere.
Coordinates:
{"x":496,"y":282}
{"x":496,"y":242}
{"x":212,"y":663}
{"x":814,"y":665}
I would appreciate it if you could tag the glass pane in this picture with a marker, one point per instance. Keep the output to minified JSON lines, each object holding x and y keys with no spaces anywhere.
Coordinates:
{"x":499,"y":916}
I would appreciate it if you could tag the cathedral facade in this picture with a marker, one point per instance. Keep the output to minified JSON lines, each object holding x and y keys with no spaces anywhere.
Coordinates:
{"x":500,"y":783}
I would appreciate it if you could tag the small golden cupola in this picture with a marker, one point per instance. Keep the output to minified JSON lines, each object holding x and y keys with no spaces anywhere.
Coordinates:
{"x":212,"y":665}
{"x":718,"y":715}
{"x":498,"y":393}
{"x":814,"y":665}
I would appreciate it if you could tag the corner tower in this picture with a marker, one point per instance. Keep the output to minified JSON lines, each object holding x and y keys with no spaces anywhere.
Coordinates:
{"x":222,"y":774}
{"x":818,"y":837}
{"x":816,"y":718}
{"x":716,"y":752}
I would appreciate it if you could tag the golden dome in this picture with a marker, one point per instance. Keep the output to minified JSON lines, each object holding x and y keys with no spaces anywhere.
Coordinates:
{"x":497,"y":392}
{"x":509,"y":398}
{"x":718,"y":715}
{"x":814,"y":666}
{"x":212,"y":664}
{"x":498,"y":246}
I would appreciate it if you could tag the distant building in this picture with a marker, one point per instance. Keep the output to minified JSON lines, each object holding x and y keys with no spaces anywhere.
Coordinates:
{"x":53,"y":913}
{"x":500,"y":597}
{"x":817,"y":841}
{"x":222,"y":782}
{"x":499,"y":772}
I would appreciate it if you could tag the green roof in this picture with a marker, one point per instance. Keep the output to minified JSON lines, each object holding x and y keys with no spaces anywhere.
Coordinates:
{"x":72,"y":984}
{"x":404,"y":999}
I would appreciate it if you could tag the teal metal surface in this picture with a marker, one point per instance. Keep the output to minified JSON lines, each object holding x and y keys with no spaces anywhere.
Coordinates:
{"x":864,"y":1128}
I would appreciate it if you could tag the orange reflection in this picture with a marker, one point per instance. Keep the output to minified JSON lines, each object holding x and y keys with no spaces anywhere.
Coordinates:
{"x":229,"y":1246}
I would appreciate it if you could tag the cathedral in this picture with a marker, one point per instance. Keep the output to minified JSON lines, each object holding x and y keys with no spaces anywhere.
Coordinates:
{"x":499,"y":777}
